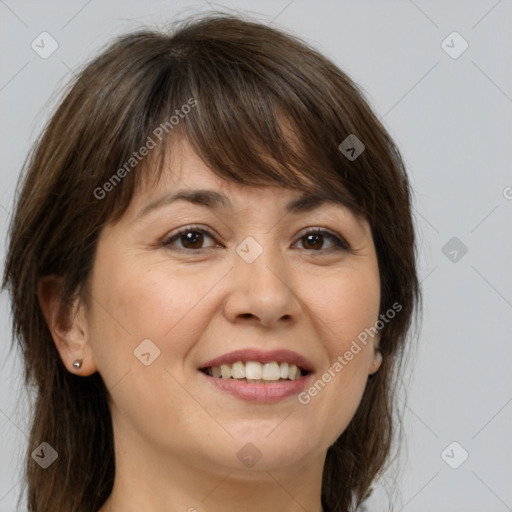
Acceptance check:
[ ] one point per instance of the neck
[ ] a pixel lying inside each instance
(147, 479)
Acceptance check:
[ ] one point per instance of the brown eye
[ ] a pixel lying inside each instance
(314, 240)
(190, 238)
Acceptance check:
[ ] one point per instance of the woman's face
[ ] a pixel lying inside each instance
(255, 279)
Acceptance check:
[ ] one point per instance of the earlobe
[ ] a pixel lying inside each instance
(66, 327)
(376, 363)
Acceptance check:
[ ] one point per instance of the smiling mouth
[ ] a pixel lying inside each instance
(254, 372)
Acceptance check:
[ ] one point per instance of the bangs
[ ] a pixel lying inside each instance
(254, 140)
(251, 120)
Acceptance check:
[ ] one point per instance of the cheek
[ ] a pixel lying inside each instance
(354, 317)
(346, 305)
(135, 302)
(148, 305)
(348, 309)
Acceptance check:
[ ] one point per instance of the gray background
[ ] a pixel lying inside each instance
(452, 120)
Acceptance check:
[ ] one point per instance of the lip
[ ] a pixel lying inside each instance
(259, 393)
(262, 356)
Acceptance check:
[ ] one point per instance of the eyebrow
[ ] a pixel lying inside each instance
(215, 200)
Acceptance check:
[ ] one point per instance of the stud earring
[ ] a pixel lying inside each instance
(77, 364)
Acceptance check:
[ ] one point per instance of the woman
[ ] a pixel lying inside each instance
(212, 270)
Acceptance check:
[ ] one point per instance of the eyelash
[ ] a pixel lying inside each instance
(339, 243)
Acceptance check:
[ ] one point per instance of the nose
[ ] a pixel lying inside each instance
(262, 292)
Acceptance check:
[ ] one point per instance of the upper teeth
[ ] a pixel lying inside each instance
(253, 370)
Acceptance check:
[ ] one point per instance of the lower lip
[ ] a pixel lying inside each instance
(261, 393)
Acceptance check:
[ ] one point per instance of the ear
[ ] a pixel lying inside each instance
(67, 325)
(377, 357)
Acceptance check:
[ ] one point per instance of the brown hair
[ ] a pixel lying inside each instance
(265, 108)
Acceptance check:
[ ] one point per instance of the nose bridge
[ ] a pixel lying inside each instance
(261, 262)
(262, 286)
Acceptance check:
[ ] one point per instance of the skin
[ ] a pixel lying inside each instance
(176, 437)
